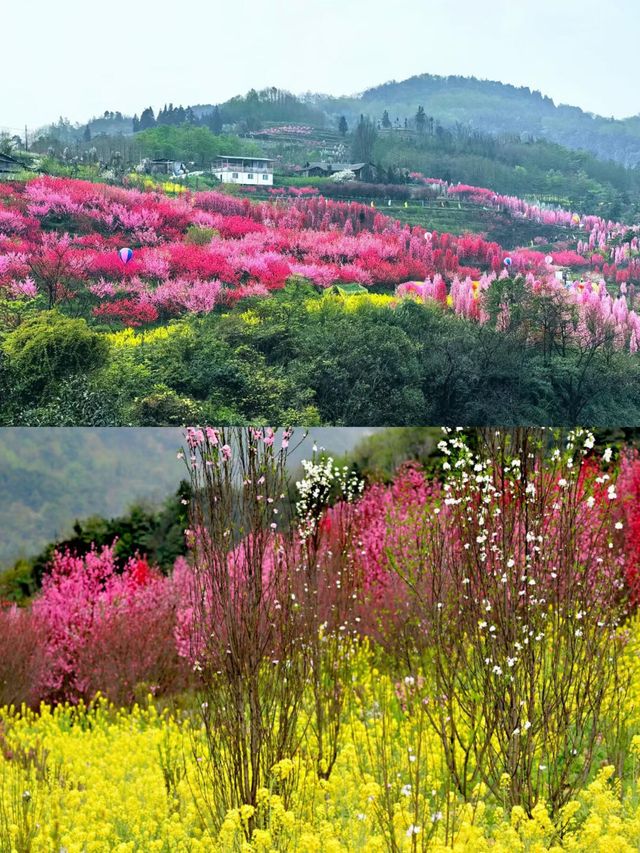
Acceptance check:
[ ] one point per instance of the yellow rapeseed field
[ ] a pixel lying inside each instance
(82, 780)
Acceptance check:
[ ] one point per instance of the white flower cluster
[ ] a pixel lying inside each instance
(323, 483)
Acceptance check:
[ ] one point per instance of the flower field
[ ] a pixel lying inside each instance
(59, 241)
(446, 661)
(123, 780)
(182, 273)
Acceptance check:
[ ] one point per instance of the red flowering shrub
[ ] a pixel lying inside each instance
(629, 486)
(130, 312)
(569, 259)
(22, 657)
(106, 630)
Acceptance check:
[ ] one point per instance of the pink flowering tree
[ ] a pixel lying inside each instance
(106, 629)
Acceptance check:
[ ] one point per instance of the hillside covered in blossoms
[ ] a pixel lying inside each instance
(240, 309)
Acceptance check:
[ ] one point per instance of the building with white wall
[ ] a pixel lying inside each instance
(254, 171)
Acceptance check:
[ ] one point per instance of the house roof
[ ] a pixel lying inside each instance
(247, 157)
(335, 167)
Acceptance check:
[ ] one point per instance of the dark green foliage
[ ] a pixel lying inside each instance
(269, 105)
(49, 347)
(190, 143)
(364, 140)
(214, 121)
(494, 107)
(302, 358)
(164, 407)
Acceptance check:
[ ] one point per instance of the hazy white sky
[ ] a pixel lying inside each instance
(77, 58)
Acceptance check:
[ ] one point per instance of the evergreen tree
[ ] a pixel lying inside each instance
(364, 139)
(421, 120)
(386, 121)
(343, 127)
(147, 119)
(214, 121)
(87, 134)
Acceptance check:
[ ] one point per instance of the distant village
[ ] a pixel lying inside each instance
(259, 171)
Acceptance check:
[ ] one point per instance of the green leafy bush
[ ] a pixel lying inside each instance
(51, 347)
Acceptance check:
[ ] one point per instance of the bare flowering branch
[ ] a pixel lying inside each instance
(246, 632)
(330, 589)
(519, 586)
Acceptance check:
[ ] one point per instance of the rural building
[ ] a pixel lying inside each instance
(323, 169)
(164, 167)
(9, 165)
(255, 171)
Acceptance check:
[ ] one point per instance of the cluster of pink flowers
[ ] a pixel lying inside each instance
(545, 215)
(61, 237)
(598, 316)
(612, 246)
(293, 191)
(93, 615)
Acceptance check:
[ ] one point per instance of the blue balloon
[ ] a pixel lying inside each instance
(507, 262)
(125, 255)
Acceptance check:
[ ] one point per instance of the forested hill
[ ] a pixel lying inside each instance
(496, 108)
(50, 477)
(489, 107)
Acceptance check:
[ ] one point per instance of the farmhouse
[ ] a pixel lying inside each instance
(164, 167)
(256, 171)
(9, 165)
(323, 169)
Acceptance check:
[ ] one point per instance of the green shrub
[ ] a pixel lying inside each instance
(164, 407)
(199, 235)
(51, 347)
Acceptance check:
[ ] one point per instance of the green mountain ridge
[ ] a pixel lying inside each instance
(498, 108)
(487, 106)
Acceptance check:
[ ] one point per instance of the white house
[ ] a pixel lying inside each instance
(256, 171)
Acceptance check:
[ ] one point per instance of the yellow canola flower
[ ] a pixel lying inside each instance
(352, 303)
(128, 338)
(127, 779)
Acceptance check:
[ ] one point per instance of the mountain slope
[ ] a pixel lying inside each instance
(497, 108)
(51, 477)
(483, 105)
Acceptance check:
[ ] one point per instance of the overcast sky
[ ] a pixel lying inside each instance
(77, 58)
